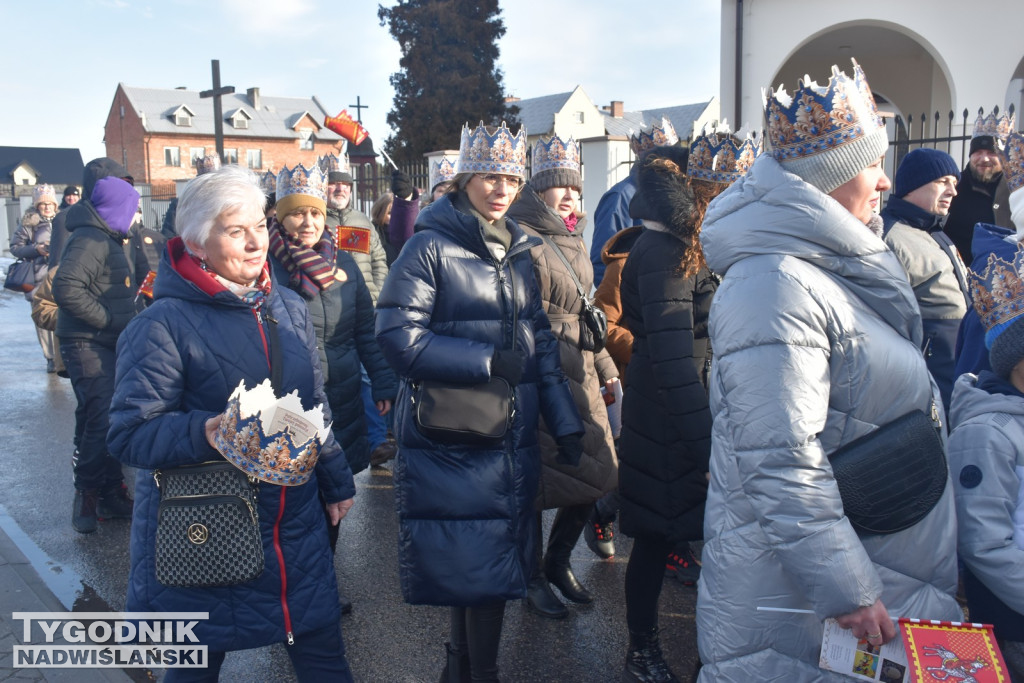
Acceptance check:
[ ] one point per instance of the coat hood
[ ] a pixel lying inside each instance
(984, 394)
(772, 212)
(101, 168)
(618, 247)
(664, 194)
(530, 209)
(441, 216)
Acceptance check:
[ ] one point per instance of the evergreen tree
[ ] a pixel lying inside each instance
(449, 72)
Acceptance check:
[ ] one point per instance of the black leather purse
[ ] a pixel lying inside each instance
(594, 327)
(892, 477)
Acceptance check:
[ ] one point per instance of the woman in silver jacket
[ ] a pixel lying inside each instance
(817, 341)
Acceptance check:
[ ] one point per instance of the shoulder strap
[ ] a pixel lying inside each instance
(959, 268)
(568, 267)
(276, 360)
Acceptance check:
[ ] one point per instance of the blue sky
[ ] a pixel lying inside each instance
(64, 58)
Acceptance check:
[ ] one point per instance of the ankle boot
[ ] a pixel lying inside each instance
(456, 667)
(83, 510)
(541, 600)
(565, 532)
(115, 503)
(644, 663)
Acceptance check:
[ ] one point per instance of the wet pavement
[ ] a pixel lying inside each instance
(385, 639)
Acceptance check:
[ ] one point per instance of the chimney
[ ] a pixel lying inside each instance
(254, 97)
(616, 109)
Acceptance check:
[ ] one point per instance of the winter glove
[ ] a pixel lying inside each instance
(401, 186)
(508, 365)
(570, 449)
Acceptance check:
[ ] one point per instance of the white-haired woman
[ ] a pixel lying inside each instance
(215, 308)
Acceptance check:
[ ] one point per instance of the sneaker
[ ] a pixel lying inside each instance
(600, 537)
(683, 566)
(384, 452)
(83, 511)
(115, 503)
(50, 366)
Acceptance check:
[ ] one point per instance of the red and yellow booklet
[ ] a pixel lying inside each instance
(952, 651)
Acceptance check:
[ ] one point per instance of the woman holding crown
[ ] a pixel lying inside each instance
(461, 306)
(817, 339)
(218, 319)
(548, 208)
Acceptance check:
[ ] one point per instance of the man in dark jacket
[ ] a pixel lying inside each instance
(95, 289)
(924, 189)
(982, 195)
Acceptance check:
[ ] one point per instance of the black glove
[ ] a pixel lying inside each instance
(508, 365)
(401, 186)
(570, 450)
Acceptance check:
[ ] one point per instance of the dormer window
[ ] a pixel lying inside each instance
(182, 116)
(239, 119)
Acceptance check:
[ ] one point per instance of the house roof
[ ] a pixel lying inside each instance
(274, 119)
(681, 116)
(55, 165)
(538, 113)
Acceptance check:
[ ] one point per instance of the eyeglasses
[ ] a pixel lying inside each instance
(510, 181)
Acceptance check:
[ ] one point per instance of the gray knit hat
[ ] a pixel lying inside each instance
(826, 135)
(556, 177)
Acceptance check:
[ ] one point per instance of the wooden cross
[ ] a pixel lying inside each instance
(218, 116)
(359, 109)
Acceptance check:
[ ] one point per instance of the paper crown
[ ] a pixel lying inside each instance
(555, 153)
(443, 171)
(272, 439)
(1013, 169)
(347, 127)
(44, 194)
(717, 157)
(207, 164)
(500, 152)
(330, 163)
(300, 180)
(998, 293)
(662, 134)
(820, 118)
(998, 127)
(268, 182)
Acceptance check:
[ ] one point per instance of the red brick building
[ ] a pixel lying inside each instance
(157, 134)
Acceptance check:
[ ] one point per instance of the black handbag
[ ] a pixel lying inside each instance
(471, 414)
(21, 276)
(208, 529)
(892, 477)
(594, 327)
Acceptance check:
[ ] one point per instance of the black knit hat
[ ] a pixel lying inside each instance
(1007, 349)
(983, 142)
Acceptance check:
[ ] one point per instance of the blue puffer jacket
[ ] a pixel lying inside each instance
(466, 514)
(177, 364)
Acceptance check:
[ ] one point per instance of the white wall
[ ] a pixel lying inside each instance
(606, 161)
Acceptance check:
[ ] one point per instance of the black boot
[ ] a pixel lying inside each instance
(644, 663)
(115, 503)
(541, 600)
(565, 532)
(456, 668)
(83, 510)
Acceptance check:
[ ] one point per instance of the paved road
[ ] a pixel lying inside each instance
(386, 639)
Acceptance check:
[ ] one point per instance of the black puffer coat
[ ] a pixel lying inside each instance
(666, 424)
(342, 316)
(96, 285)
(564, 485)
(466, 533)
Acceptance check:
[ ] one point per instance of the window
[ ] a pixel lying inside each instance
(172, 156)
(579, 117)
(305, 139)
(239, 120)
(196, 153)
(254, 158)
(181, 118)
(230, 156)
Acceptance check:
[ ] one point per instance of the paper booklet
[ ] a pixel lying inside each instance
(857, 658)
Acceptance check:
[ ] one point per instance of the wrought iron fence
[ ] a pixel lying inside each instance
(913, 132)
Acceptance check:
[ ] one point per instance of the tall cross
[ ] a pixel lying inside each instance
(359, 109)
(218, 116)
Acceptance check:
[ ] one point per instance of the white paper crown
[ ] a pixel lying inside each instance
(330, 163)
(301, 180)
(268, 182)
(1013, 169)
(717, 157)
(820, 118)
(207, 164)
(270, 438)
(661, 134)
(998, 127)
(555, 153)
(443, 171)
(500, 152)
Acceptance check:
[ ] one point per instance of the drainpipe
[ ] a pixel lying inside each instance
(739, 67)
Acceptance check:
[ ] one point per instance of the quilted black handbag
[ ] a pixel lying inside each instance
(208, 529)
(472, 414)
(21, 276)
(889, 479)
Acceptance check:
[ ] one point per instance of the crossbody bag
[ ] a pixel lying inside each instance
(594, 327)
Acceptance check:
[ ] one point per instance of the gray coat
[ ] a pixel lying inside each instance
(373, 264)
(817, 341)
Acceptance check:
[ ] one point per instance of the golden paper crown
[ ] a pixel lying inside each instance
(997, 293)
(660, 134)
(1013, 169)
(442, 171)
(997, 127)
(500, 152)
(718, 158)
(207, 164)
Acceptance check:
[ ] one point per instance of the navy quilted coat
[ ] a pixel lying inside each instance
(342, 318)
(177, 364)
(466, 533)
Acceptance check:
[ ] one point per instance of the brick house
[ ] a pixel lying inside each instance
(157, 134)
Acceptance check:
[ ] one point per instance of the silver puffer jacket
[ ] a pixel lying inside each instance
(817, 342)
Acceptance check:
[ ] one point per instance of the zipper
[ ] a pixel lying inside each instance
(280, 563)
(263, 334)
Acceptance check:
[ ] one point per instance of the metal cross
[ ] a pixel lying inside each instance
(218, 116)
(359, 109)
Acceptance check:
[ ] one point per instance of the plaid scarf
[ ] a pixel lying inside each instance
(310, 270)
